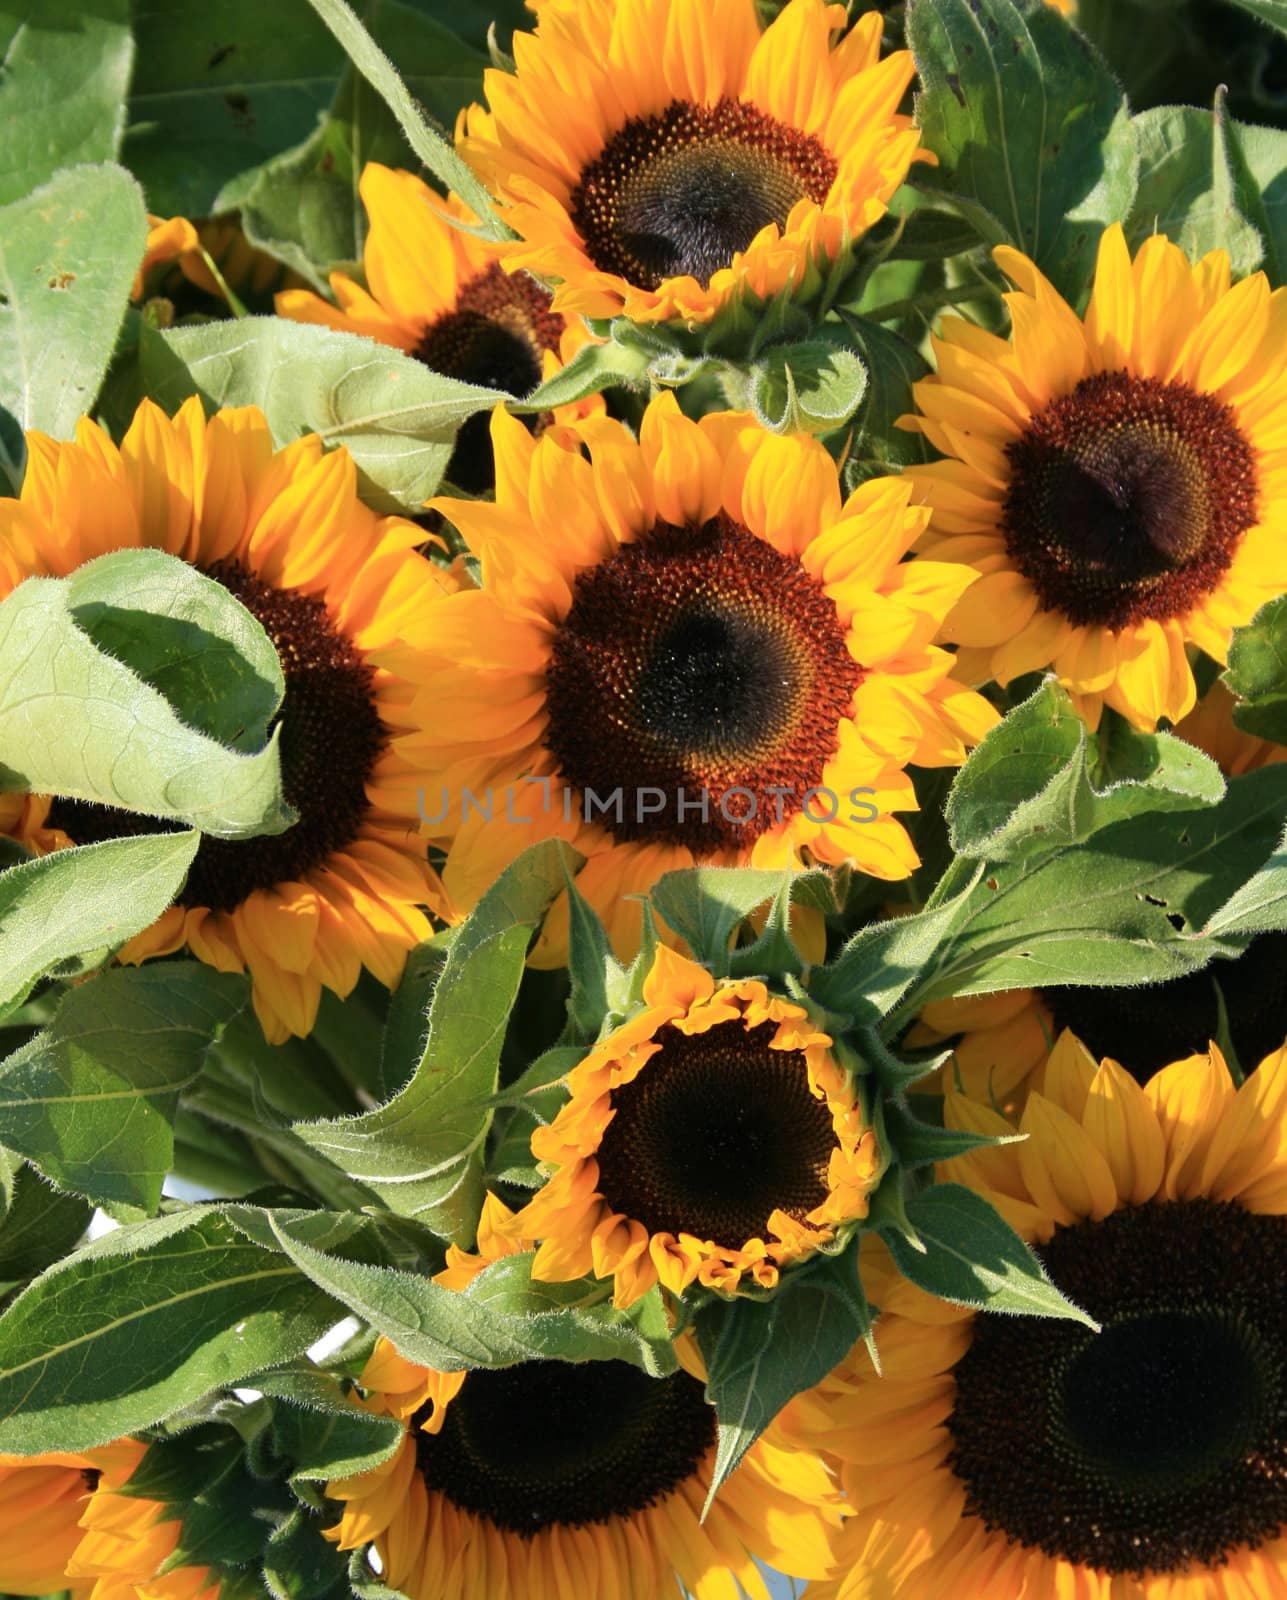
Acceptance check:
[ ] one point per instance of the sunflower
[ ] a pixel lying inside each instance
(338, 590)
(181, 248)
(127, 1541)
(441, 295)
(656, 157)
(1002, 1041)
(1120, 482)
(686, 649)
(1008, 1456)
(551, 1480)
(1211, 727)
(711, 1138)
(42, 1499)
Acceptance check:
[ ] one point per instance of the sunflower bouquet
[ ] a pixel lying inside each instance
(643, 800)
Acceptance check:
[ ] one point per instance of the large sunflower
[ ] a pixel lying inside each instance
(711, 1138)
(1000, 1042)
(556, 1481)
(128, 1541)
(1009, 1456)
(1120, 482)
(657, 156)
(340, 591)
(686, 648)
(441, 295)
(42, 1499)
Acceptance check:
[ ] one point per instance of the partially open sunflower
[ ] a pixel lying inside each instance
(339, 591)
(552, 1480)
(1120, 481)
(1007, 1456)
(712, 1139)
(657, 156)
(686, 648)
(440, 294)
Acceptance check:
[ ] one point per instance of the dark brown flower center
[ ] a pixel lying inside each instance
(1160, 1444)
(494, 337)
(1127, 499)
(716, 1133)
(552, 1444)
(696, 687)
(680, 193)
(1146, 1029)
(331, 739)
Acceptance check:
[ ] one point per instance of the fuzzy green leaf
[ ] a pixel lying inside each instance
(422, 1151)
(397, 418)
(704, 905)
(91, 1100)
(74, 904)
(39, 1225)
(143, 1322)
(1258, 673)
(1032, 133)
(973, 1257)
(1037, 780)
(813, 387)
(62, 93)
(74, 720)
(68, 254)
(761, 1353)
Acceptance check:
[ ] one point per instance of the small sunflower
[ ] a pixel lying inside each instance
(1009, 1456)
(441, 295)
(127, 1541)
(339, 591)
(686, 648)
(1119, 482)
(1002, 1041)
(175, 267)
(552, 1480)
(657, 156)
(711, 1139)
(42, 1499)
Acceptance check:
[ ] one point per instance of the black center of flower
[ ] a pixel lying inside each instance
(549, 1443)
(680, 193)
(716, 1133)
(494, 337)
(331, 739)
(696, 687)
(1127, 499)
(1160, 1444)
(1146, 1029)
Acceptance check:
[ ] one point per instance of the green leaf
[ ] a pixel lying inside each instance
(1274, 12)
(1037, 780)
(705, 905)
(68, 254)
(74, 904)
(972, 1257)
(813, 387)
(1032, 134)
(1258, 673)
(1133, 904)
(597, 977)
(76, 721)
(893, 366)
(62, 95)
(427, 142)
(396, 417)
(220, 90)
(91, 1100)
(183, 634)
(304, 206)
(422, 1151)
(141, 1323)
(299, 1564)
(500, 1319)
(592, 369)
(39, 1226)
(921, 1144)
(761, 1353)
(318, 1430)
(1193, 186)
